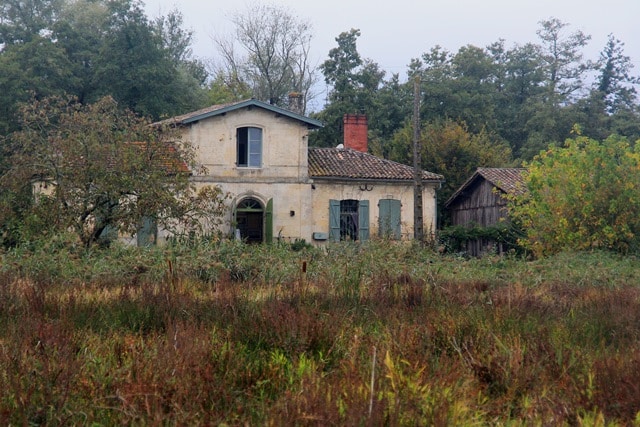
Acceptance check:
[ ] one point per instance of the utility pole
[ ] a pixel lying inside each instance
(418, 220)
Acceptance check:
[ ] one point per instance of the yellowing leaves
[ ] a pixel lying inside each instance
(581, 196)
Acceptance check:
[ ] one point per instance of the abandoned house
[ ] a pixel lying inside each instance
(281, 188)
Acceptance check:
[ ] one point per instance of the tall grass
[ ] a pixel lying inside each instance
(227, 333)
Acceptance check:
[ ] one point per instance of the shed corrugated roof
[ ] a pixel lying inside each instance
(346, 163)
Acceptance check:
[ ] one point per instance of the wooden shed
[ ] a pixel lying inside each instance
(480, 202)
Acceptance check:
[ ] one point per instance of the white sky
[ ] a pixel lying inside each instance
(393, 32)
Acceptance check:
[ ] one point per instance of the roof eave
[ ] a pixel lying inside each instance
(462, 188)
(393, 180)
(311, 123)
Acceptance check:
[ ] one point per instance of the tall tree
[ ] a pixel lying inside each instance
(22, 20)
(38, 68)
(519, 91)
(474, 77)
(564, 66)
(615, 84)
(612, 106)
(354, 83)
(177, 41)
(94, 48)
(275, 59)
(134, 67)
(341, 69)
(391, 107)
(552, 114)
(435, 72)
(81, 31)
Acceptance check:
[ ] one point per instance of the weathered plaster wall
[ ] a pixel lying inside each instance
(326, 190)
(287, 198)
(284, 146)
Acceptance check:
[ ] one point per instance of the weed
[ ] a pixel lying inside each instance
(221, 332)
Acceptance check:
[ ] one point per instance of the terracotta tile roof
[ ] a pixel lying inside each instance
(508, 180)
(346, 163)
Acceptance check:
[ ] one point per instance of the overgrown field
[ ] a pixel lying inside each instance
(378, 334)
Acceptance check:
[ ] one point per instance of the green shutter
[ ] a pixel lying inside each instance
(363, 220)
(389, 218)
(268, 222)
(334, 220)
(147, 233)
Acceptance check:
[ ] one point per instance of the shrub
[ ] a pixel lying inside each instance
(581, 196)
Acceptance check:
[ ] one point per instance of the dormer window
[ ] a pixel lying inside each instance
(249, 147)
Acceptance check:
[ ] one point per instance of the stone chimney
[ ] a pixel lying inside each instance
(355, 132)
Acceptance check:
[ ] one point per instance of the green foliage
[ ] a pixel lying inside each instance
(141, 67)
(91, 49)
(129, 335)
(355, 83)
(455, 238)
(23, 20)
(95, 168)
(225, 88)
(581, 196)
(24, 74)
(450, 149)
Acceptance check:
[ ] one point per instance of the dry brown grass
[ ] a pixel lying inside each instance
(292, 347)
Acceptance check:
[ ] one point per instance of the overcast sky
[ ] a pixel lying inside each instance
(393, 32)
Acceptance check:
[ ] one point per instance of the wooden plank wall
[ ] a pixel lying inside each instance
(483, 206)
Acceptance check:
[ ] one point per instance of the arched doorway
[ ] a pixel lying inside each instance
(250, 220)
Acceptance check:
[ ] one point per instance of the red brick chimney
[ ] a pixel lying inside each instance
(355, 132)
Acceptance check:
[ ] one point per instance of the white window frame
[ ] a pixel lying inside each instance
(251, 156)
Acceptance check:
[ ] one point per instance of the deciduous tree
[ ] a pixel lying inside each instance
(269, 51)
(99, 168)
(95, 48)
(450, 149)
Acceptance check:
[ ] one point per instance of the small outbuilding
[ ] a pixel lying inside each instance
(481, 202)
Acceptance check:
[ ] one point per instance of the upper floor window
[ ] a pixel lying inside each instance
(249, 144)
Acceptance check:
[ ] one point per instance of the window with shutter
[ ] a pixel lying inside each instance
(389, 218)
(148, 232)
(363, 220)
(334, 220)
(348, 220)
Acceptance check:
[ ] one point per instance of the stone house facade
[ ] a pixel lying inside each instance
(282, 189)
